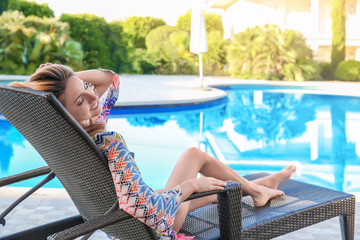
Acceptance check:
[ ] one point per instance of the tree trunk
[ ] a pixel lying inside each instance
(338, 33)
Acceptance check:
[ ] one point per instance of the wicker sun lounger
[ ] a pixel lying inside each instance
(82, 169)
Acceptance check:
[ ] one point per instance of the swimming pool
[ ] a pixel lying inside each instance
(254, 129)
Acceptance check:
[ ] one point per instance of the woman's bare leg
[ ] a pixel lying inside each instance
(194, 161)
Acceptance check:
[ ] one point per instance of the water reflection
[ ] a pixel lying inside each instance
(148, 121)
(277, 117)
(309, 128)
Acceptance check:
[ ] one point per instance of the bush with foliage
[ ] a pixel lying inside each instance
(213, 22)
(326, 71)
(214, 60)
(271, 53)
(118, 48)
(31, 8)
(93, 33)
(26, 42)
(348, 71)
(135, 31)
(4, 5)
(167, 51)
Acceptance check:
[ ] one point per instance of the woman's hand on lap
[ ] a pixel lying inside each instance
(204, 184)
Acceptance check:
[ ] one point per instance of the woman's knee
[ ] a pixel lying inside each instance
(195, 154)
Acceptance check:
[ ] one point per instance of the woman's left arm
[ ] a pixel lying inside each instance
(100, 78)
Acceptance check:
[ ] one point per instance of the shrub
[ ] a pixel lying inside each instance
(135, 31)
(271, 53)
(26, 42)
(348, 71)
(137, 28)
(167, 51)
(215, 59)
(3, 5)
(118, 48)
(213, 22)
(93, 33)
(326, 71)
(31, 8)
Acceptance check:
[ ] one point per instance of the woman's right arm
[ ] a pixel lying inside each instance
(202, 184)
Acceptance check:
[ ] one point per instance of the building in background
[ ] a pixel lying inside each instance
(311, 17)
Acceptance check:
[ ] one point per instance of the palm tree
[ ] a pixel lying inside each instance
(270, 53)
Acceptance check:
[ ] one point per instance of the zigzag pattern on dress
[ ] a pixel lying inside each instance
(135, 196)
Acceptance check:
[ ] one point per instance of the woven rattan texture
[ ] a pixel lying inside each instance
(67, 149)
(225, 217)
(303, 205)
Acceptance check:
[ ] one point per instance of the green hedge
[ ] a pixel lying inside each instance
(93, 33)
(31, 8)
(348, 71)
(213, 22)
(326, 71)
(135, 31)
(118, 48)
(137, 28)
(168, 51)
(26, 42)
(3, 5)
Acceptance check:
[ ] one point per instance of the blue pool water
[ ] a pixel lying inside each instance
(252, 130)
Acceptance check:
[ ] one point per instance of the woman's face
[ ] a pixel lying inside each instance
(81, 101)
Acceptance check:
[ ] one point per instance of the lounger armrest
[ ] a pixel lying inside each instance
(204, 194)
(230, 184)
(90, 226)
(229, 208)
(24, 176)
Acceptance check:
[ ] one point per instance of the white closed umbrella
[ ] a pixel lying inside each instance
(198, 43)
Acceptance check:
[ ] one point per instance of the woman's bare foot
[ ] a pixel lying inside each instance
(261, 195)
(273, 180)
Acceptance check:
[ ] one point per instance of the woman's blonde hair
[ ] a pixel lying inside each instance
(53, 78)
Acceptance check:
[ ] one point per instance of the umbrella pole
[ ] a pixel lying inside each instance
(201, 70)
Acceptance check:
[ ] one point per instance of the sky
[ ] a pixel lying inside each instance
(169, 10)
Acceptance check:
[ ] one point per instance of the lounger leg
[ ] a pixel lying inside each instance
(347, 223)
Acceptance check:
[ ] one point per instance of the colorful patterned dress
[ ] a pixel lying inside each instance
(134, 195)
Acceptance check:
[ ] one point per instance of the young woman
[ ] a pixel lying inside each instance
(89, 96)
